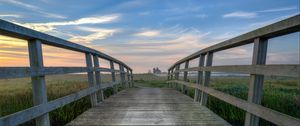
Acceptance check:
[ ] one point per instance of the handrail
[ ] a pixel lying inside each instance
(37, 72)
(257, 70)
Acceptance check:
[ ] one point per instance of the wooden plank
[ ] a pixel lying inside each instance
(209, 60)
(90, 75)
(288, 70)
(39, 88)
(255, 92)
(283, 27)
(99, 94)
(36, 111)
(20, 72)
(13, 30)
(149, 106)
(255, 109)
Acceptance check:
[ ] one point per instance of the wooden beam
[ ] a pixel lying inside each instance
(255, 92)
(185, 74)
(39, 88)
(113, 77)
(99, 95)
(288, 70)
(209, 60)
(255, 109)
(197, 96)
(90, 75)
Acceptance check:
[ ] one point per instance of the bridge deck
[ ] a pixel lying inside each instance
(148, 106)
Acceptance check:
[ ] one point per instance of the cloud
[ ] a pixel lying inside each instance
(240, 14)
(33, 8)
(280, 9)
(50, 26)
(264, 23)
(97, 34)
(10, 15)
(150, 33)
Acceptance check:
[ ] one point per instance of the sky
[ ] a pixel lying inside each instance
(147, 33)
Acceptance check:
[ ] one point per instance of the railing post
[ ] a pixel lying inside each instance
(122, 75)
(197, 96)
(168, 79)
(98, 78)
(172, 77)
(113, 77)
(185, 73)
(256, 81)
(90, 75)
(131, 78)
(207, 78)
(39, 88)
(128, 78)
(177, 74)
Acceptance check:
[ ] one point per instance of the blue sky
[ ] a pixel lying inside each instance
(155, 33)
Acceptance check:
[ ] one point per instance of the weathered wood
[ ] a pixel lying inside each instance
(39, 89)
(113, 77)
(36, 111)
(90, 75)
(255, 109)
(20, 72)
(149, 106)
(128, 78)
(185, 74)
(122, 76)
(99, 95)
(283, 27)
(209, 60)
(177, 76)
(288, 70)
(255, 92)
(197, 96)
(131, 77)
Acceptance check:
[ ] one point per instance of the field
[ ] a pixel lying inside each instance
(281, 94)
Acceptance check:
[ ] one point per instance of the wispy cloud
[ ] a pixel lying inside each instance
(240, 14)
(33, 8)
(11, 15)
(97, 34)
(149, 33)
(244, 14)
(280, 9)
(264, 23)
(45, 27)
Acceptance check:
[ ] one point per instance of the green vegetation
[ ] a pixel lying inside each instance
(281, 94)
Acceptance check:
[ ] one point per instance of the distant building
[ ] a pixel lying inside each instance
(156, 70)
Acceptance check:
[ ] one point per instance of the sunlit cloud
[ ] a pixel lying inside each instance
(45, 27)
(10, 15)
(150, 33)
(97, 34)
(240, 14)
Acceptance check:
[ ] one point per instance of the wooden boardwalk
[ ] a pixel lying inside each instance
(149, 106)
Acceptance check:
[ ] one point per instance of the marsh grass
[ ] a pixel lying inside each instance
(280, 93)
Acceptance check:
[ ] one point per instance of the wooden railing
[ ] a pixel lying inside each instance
(257, 71)
(37, 72)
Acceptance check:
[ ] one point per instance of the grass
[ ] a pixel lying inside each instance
(281, 94)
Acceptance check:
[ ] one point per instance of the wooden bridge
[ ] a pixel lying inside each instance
(151, 106)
